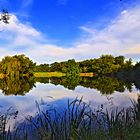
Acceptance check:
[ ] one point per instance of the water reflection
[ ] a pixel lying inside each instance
(105, 85)
(14, 86)
(54, 93)
(68, 82)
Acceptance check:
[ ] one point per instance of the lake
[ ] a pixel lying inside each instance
(27, 95)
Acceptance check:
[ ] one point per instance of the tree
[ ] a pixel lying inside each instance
(119, 60)
(72, 68)
(104, 65)
(42, 68)
(16, 66)
(128, 64)
(5, 16)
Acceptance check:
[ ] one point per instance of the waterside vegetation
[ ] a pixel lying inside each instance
(107, 74)
(77, 122)
(20, 65)
(49, 74)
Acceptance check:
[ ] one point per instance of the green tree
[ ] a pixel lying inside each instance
(16, 66)
(119, 60)
(104, 65)
(72, 68)
(42, 68)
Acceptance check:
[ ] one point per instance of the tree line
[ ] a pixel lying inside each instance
(123, 71)
(19, 65)
(106, 64)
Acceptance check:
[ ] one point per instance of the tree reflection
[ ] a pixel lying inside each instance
(43, 80)
(105, 85)
(70, 82)
(16, 86)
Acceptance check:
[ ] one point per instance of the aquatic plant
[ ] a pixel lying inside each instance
(77, 122)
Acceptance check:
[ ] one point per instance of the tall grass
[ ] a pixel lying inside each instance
(78, 122)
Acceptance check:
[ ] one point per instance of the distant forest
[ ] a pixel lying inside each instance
(106, 65)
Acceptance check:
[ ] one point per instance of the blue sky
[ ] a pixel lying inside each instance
(57, 30)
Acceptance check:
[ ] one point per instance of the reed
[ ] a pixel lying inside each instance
(77, 122)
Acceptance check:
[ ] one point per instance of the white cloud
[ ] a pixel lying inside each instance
(120, 37)
(88, 30)
(133, 50)
(124, 12)
(16, 27)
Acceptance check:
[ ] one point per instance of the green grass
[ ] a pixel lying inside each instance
(59, 74)
(52, 74)
(49, 74)
(89, 74)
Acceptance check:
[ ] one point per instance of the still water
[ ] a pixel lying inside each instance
(26, 95)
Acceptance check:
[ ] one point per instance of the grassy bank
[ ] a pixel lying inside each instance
(90, 74)
(59, 74)
(77, 122)
(41, 74)
(52, 74)
(49, 74)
